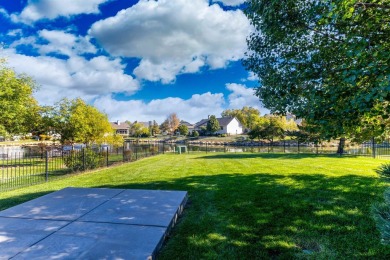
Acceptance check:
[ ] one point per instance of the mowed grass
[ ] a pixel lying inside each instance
(253, 206)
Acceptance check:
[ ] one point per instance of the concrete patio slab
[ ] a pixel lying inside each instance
(66, 204)
(17, 235)
(82, 240)
(140, 207)
(82, 223)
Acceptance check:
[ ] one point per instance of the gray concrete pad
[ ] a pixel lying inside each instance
(17, 235)
(140, 207)
(85, 240)
(82, 223)
(66, 204)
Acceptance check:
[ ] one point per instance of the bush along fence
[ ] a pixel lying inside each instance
(36, 165)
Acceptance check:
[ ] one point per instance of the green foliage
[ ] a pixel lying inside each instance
(213, 124)
(155, 130)
(195, 133)
(381, 214)
(183, 129)
(83, 160)
(79, 122)
(248, 116)
(384, 170)
(324, 61)
(269, 128)
(138, 130)
(19, 109)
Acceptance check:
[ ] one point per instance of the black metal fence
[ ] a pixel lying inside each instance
(37, 164)
(368, 149)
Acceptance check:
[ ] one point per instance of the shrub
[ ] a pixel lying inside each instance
(384, 171)
(83, 160)
(381, 213)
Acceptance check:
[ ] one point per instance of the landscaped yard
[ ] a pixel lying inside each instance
(247, 206)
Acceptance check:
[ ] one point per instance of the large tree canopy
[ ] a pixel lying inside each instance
(325, 61)
(17, 105)
(77, 121)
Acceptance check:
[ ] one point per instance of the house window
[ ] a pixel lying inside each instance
(221, 127)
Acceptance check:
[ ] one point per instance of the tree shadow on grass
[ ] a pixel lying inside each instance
(271, 156)
(268, 216)
(237, 216)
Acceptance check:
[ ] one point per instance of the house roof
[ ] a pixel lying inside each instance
(119, 125)
(223, 121)
(182, 122)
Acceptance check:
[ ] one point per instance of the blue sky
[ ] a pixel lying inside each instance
(134, 60)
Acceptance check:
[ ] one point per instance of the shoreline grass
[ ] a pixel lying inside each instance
(253, 206)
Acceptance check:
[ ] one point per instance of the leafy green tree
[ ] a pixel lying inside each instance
(183, 129)
(164, 127)
(269, 128)
(213, 124)
(19, 109)
(155, 130)
(195, 133)
(248, 116)
(324, 61)
(138, 129)
(79, 122)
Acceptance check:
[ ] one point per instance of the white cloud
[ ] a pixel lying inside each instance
(252, 76)
(242, 96)
(230, 2)
(74, 77)
(4, 13)
(172, 37)
(58, 42)
(65, 43)
(51, 9)
(192, 110)
(15, 33)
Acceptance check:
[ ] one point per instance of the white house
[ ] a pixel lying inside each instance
(228, 125)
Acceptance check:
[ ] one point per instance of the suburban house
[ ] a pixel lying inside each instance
(228, 125)
(121, 128)
(189, 126)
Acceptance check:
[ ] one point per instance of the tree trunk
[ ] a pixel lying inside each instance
(340, 149)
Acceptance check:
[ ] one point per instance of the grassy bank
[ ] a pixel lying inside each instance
(248, 206)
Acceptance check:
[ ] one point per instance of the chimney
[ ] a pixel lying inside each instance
(118, 122)
(208, 116)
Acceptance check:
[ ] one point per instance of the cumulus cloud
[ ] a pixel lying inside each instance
(242, 96)
(252, 76)
(230, 2)
(192, 110)
(51, 9)
(172, 37)
(57, 42)
(74, 77)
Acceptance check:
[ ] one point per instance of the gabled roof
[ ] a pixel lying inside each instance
(182, 122)
(223, 121)
(119, 125)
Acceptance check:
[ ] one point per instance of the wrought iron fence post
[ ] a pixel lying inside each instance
(123, 152)
(284, 146)
(83, 151)
(136, 152)
(47, 165)
(107, 156)
(373, 147)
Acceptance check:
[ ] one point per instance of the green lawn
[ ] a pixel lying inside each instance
(253, 206)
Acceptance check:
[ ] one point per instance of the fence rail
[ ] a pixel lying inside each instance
(32, 166)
